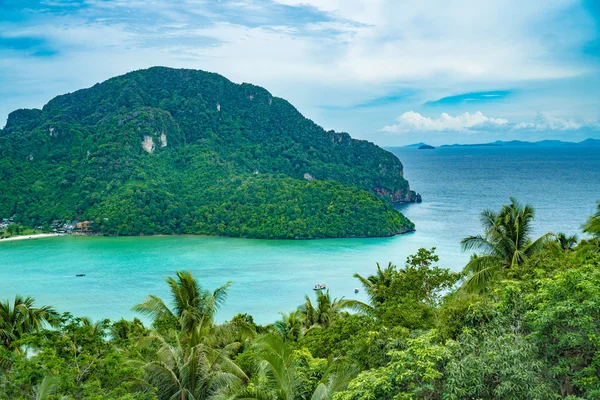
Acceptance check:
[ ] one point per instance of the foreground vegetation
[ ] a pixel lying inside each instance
(166, 151)
(521, 321)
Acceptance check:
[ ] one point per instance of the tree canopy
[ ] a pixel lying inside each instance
(532, 333)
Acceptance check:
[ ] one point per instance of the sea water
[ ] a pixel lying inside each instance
(272, 276)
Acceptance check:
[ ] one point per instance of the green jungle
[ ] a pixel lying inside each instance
(521, 321)
(175, 151)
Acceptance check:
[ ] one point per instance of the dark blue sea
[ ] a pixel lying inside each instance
(561, 183)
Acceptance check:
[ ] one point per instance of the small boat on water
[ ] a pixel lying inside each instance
(80, 275)
(319, 286)
(355, 290)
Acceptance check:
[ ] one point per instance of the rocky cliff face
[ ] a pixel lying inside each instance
(400, 196)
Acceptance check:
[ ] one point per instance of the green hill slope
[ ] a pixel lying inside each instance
(162, 151)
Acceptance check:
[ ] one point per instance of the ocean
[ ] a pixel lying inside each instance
(563, 184)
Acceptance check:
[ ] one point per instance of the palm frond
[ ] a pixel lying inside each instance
(45, 388)
(537, 245)
(153, 307)
(478, 242)
(481, 271)
(592, 225)
(339, 376)
(251, 394)
(368, 287)
(277, 366)
(220, 295)
(356, 306)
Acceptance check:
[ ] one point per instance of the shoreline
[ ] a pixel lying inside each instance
(47, 235)
(294, 239)
(28, 237)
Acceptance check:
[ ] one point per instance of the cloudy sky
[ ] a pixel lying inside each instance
(390, 71)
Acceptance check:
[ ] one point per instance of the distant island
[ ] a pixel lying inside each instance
(517, 143)
(426, 147)
(416, 145)
(178, 151)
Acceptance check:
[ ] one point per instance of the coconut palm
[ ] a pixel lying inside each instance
(289, 327)
(505, 244)
(191, 303)
(23, 317)
(592, 226)
(192, 366)
(326, 310)
(277, 367)
(279, 378)
(335, 380)
(125, 330)
(591, 246)
(565, 242)
(44, 390)
(376, 286)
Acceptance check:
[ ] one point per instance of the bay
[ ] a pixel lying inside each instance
(274, 276)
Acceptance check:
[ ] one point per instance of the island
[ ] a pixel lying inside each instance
(426, 147)
(522, 143)
(179, 151)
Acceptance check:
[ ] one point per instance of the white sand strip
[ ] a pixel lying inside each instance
(26, 237)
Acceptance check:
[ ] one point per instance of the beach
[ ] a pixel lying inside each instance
(34, 236)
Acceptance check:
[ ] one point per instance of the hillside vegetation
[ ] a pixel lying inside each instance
(163, 151)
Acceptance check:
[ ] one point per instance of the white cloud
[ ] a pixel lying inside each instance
(339, 52)
(413, 121)
(463, 40)
(375, 41)
(546, 121)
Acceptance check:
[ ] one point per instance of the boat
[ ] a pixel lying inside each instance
(319, 286)
(355, 290)
(80, 275)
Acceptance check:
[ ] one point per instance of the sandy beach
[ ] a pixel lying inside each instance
(26, 237)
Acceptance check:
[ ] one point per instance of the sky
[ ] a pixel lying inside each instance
(390, 71)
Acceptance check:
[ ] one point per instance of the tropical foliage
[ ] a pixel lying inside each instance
(21, 317)
(532, 333)
(592, 226)
(505, 244)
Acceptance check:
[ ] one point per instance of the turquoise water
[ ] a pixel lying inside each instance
(273, 276)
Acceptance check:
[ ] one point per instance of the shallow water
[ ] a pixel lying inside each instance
(272, 276)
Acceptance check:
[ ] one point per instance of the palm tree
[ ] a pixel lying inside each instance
(592, 226)
(277, 367)
(192, 303)
(289, 327)
(591, 246)
(505, 244)
(335, 380)
(377, 285)
(192, 367)
(279, 377)
(125, 330)
(22, 317)
(44, 390)
(326, 310)
(565, 242)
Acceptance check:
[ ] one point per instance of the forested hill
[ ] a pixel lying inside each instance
(183, 151)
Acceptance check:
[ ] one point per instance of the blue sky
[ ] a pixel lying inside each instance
(390, 71)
